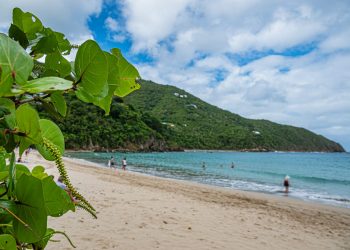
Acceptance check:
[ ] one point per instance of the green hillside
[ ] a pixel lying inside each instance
(161, 117)
(87, 127)
(194, 124)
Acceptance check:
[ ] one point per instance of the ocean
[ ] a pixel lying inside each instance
(318, 177)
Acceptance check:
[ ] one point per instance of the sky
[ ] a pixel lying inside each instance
(284, 61)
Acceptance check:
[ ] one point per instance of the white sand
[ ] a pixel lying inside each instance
(144, 212)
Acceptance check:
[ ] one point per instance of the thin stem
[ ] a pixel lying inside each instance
(63, 233)
(16, 217)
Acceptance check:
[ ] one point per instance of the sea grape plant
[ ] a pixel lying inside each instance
(34, 72)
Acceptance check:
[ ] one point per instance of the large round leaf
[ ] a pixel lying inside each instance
(57, 64)
(18, 35)
(127, 75)
(15, 64)
(27, 22)
(91, 69)
(57, 201)
(59, 103)
(51, 132)
(44, 84)
(30, 209)
(113, 82)
(27, 120)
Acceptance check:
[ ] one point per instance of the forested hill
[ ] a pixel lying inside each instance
(161, 117)
(194, 124)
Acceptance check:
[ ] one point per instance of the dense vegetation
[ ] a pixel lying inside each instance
(87, 127)
(198, 125)
(162, 117)
(29, 196)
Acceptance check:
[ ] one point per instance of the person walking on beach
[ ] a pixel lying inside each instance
(286, 184)
(124, 164)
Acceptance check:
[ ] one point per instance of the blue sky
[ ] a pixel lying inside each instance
(285, 61)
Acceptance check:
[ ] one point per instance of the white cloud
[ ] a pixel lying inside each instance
(118, 38)
(152, 20)
(190, 45)
(68, 17)
(199, 45)
(283, 32)
(112, 24)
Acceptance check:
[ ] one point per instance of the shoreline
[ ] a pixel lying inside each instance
(293, 194)
(201, 150)
(138, 211)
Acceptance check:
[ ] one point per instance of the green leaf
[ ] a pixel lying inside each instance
(57, 201)
(113, 82)
(30, 209)
(56, 63)
(128, 75)
(59, 102)
(18, 35)
(38, 170)
(4, 175)
(43, 242)
(21, 169)
(28, 124)
(51, 110)
(12, 174)
(63, 43)
(2, 162)
(51, 132)
(7, 242)
(9, 118)
(10, 143)
(50, 42)
(91, 71)
(10, 205)
(24, 144)
(15, 64)
(46, 84)
(27, 22)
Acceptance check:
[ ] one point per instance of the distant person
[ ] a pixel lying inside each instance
(232, 165)
(286, 184)
(203, 165)
(112, 162)
(124, 164)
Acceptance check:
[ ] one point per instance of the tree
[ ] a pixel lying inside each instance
(27, 197)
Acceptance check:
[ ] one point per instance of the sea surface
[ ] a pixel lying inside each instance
(319, 177)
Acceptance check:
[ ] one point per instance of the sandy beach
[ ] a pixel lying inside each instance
(144, 212)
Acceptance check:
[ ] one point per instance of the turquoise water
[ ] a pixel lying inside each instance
(321, 177)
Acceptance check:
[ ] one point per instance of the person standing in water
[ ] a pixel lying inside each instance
(124, 164)
(112, 162)
(286, 184)
(232, 165)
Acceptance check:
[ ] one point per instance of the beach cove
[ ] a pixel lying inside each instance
(136, 211)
